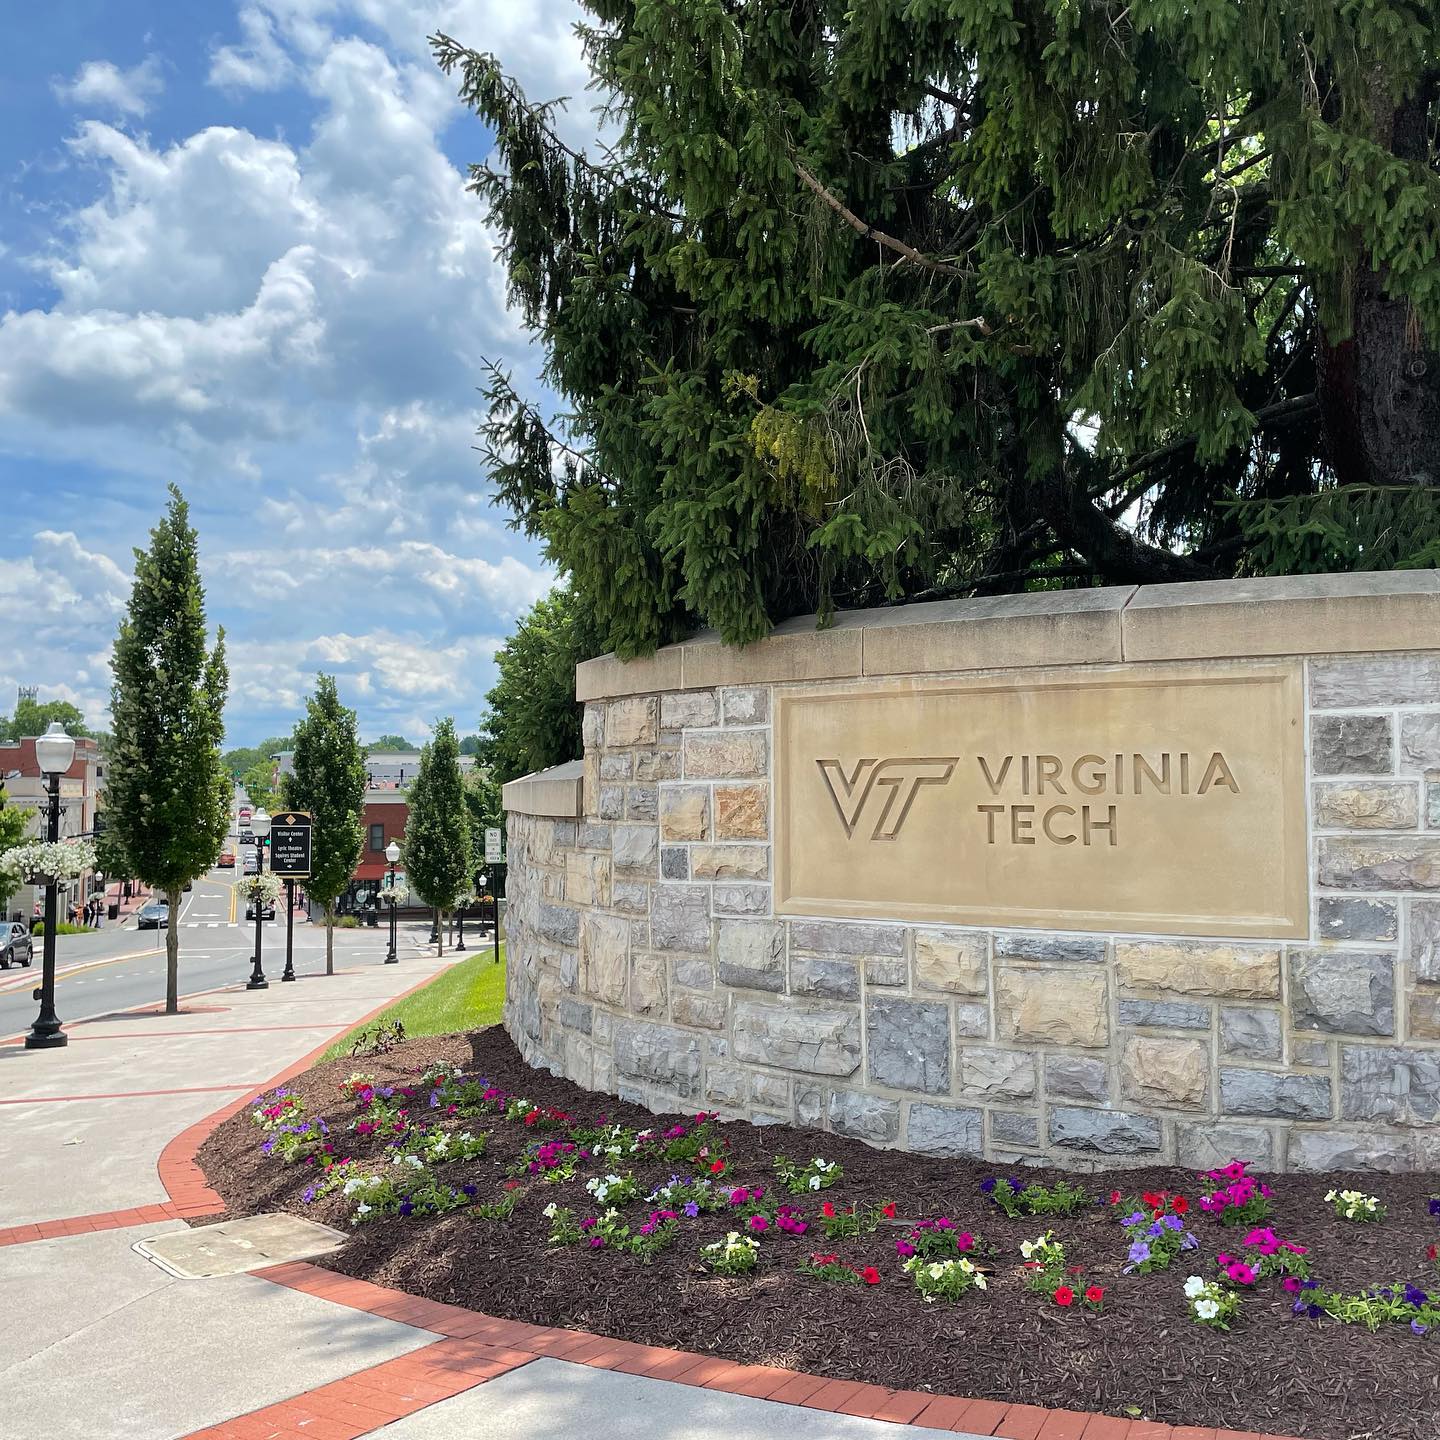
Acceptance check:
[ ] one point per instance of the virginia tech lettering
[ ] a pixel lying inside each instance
(1012, 822)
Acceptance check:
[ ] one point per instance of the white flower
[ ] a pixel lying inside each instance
(980, 1281)
(1194, 1287)
(815, 1182)
(362, 1208)
(1206, 1309)
(549, 1211)
(1332, 1194)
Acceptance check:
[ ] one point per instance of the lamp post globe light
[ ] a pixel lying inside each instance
(54, 754)
(260, 829)
(392, 854)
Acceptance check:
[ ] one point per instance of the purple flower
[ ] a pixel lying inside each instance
(406, 1207)
(1298, 1308)
(1155, 1231)
(987, 1185)
(904, 1249)
(1418, 1328)
(1435, 1205)
(1173, 1222)
(691, 1209)
(1414, 1295)
(1139, 1253)
(1015, 1185)
(1136, 1219)
(468, 1189)
(1314, 1311)
(307, 1195)
(1189, 1242)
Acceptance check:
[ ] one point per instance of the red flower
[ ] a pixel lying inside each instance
(1076, 1270)
(1179, 1204)
(823, 1259)
(1152, 1199)
(1095, 1294)
(870, 1275)
(1064, 1296)
(888, 1211)
(511, 1184)
(828, 1210)
(1433, 1253)
(717, 1167)
(1115, 1197)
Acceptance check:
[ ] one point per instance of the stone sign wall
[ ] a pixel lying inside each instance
(773, 886)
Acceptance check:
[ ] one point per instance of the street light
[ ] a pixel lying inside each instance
(54, 753)
(259, 828)
(392, 854)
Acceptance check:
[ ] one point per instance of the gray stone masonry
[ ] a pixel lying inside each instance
(646, 959)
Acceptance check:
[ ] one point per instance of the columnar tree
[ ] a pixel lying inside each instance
(437, 830)
(168, 793)
(872, 302)
(329, 782)
(14, 826)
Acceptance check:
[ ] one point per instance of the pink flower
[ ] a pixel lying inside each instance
(758, 1223)
(1241, 1274)
(1263, 1240)
(904, 1249)
(964, 1241)
(1290, 1283)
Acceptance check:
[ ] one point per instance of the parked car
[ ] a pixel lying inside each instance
(267, 913)
(227, 859)
(16, 946)
(153, 915)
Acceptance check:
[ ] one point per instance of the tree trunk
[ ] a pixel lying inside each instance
(440, 931)
(1380, 387)
(329, 937)
(172, 952)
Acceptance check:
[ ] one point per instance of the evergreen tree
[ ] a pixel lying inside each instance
(329, 782)
(437, 830)
(926, 297)
(533, 721)
(168, 793)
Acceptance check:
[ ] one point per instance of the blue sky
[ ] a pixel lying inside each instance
(236, 252)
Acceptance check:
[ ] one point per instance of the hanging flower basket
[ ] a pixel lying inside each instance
(397, 894)
(261, 887)
(38, 862)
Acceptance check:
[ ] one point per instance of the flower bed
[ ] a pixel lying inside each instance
(1225, 1301)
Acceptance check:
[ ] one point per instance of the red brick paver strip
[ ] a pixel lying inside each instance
(1022, 1422)
(1065, 1425)
(1107, 1427)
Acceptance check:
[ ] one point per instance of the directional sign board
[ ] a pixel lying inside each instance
(492, 846)
(290, 845)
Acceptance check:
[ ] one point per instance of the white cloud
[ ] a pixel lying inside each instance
(102, 85)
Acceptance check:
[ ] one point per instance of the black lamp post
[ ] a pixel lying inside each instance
(260, 829)
(460, 923)
(54, 753)
(392, 854)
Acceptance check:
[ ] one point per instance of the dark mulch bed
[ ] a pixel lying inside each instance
(1142, 1355)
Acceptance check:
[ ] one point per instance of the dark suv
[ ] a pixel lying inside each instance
(16, 946)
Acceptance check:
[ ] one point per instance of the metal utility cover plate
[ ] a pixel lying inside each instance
(234, 1246)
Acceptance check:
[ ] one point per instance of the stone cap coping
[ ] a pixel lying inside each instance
(1213, 619)
(555, 792)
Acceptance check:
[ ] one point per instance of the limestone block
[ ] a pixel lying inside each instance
(1007, 1127)
(633, 721)
(1348, 992)
(772, 1091)
(1250, 1034)
(1420, 741)
(1032, 945)
(631, 896)
(689, 709)
(1165, 1014)
(746, 706)
(592, 727)
(1425, 1015)
(840, 937)
(742, 899)
(1374, 680)
(560, 924)
(693, 1007)
(1209, 1144)
(1348, 1150)
(587, 879)
(641, 803)
(1396, 863)
(1360, 806)
(730, 862)
(1271, 1092)
(952, 1132)
(954, 960)
(887, 971)
(818, 1039)
(605, 956)
(810, 1105)
(684, 812)
(659, 1054)
(655, 765)
(986, 1074)
(692, 973)
(1103, 1132)
(1199, 967)
(592, 836)
(1076, 1077)
(750, 954)
(611, 805)
(908, 1044)
(1342, 918)
(726, 754)
(647, 984)
(1052, 1007)
(823, 979)
(742, 812)
(1432, 804)
(575, 1016)
(972, 1022)
(1422, 931)
(1313, 1054)
(1352, 745)
(1172, 1074)
(680, 918)
(864, 1117)
(1390, 1083)
(615, 766)
(725, 1085)
(674, 862)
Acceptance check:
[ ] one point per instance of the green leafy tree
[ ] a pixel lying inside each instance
(436, 847)
(246, 757)
(926, 297)
(14, 826)
(394, 742)
(534, 721)
(483, 811)
(168, 793)
(34, 717)
(329, 782)
(258, 783)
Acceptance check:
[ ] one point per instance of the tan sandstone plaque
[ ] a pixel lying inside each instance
(1168, 799)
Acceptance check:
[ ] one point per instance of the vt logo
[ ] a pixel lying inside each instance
(898, 782)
